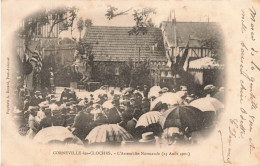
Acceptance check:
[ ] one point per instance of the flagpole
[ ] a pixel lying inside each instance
(175, 43)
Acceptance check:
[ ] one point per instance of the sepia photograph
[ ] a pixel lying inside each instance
(119, 85)
(127, 76)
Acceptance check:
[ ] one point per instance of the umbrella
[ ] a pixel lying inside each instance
(56, 134)
(108, 133)
(181, 93)
(168, 98)
(148, 118)
(154, 91)
(182, 117)
(207, 104)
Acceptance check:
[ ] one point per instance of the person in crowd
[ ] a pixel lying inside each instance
(145, 91)
(20, 101)
(32, 123)
(41, 114)
(84, 102)
(81, 124)
(72, 95)
(148, 139)
(111, 95)
(64, 94)
(130, 126)
(26, 102)
(210, 90)
(47, 120)
(36, 99)
(145, 105)
(126, 116)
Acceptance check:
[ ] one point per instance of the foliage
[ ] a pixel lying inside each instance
(112, 12)
(141, 19)
(215, 45)
(88, 23)
(140, 74)
(64, 15)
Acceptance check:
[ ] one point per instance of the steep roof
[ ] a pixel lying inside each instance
(115, 44)
(199, 31)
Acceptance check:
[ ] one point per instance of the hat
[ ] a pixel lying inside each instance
(53, 99)
(209, 87)
(183, 88)
(43, 105)
(165, 89)
(147, 137)
(132, 98)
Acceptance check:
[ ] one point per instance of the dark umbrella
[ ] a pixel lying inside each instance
(182, 117)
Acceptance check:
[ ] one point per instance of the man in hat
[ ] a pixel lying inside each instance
(81, 125)
(64, 94)
(32, 123)
(72, 95)
(36, 99)
(145, 91)
(148, 139)
(145, 105)
(26, 102)
(84, 101)
(46, 121)
(111, 95)
(41, 114)
(130, 126)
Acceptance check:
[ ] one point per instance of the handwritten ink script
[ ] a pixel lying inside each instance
(249, 69)
(241, 128)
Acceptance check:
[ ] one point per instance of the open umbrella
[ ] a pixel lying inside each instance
(207, 104)
(154, 91)
(148, 118)
(210, 108)
(108, 133)
(168, 98)
(182, 117)
(181, 93)
(56, 134)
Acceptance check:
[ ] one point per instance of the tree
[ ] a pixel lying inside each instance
(112, 12)
(143, 21)
(80, 26)
(64, 16)
(88, 23)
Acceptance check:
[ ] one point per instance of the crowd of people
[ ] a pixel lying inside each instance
(139, 114)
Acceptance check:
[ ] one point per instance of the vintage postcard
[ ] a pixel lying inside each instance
(122, 82)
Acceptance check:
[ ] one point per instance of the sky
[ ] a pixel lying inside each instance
(184, 12)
